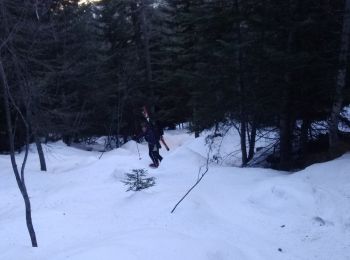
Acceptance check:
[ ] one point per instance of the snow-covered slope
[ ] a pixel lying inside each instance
(82, 212)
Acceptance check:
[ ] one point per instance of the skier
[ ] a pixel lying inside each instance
(153, 144)
(157, 128)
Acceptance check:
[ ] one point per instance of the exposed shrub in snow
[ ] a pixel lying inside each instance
(137, 180)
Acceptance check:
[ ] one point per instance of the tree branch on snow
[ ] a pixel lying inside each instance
(201, 175)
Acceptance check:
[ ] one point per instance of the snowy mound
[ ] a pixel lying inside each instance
(82, 212)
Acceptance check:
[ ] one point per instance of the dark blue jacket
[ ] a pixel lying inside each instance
(149, 136)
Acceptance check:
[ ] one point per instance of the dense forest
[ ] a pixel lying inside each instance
(72, 71)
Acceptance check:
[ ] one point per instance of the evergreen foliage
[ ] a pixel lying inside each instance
(138, 180)
(87, 69)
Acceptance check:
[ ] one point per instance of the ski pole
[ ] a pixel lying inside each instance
(101, 155)
(163, 141)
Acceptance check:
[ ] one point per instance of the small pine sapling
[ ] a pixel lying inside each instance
(138, 180)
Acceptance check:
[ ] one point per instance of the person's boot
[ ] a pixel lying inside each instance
(153, 165)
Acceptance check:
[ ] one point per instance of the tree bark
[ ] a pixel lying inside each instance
(340, 83)
(142, 38)
(39, 147)
(241, 90)
(304, 137)
(19, 177)
(252, 141)
(286, 124)
(195, 120)
(243, 137)
(30, 124)
(285, 142)
(147, 54)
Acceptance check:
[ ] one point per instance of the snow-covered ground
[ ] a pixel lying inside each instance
(82, 212)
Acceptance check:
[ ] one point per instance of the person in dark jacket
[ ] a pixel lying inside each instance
(153, 144)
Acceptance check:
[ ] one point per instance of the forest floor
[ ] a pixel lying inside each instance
(81, 210)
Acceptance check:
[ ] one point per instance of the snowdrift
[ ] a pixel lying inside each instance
(82, 212)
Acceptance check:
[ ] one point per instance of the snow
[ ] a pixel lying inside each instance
(82, 212)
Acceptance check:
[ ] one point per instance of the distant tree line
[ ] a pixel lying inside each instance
(79, 70)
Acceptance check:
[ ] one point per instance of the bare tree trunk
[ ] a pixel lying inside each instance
(37, 141)
(136, 27)
(19, 177)
(30, 123)
(252, 141)
(39, 147)
(340, 83)
(142, 38)
(285, 141)
(243, 137)
(241, 89)
(146, 38)
(286, 128)
(121, 98)
(195, 119)
(285, 123)
(304, 137)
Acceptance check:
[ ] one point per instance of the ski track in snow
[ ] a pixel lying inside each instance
(82, 212)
